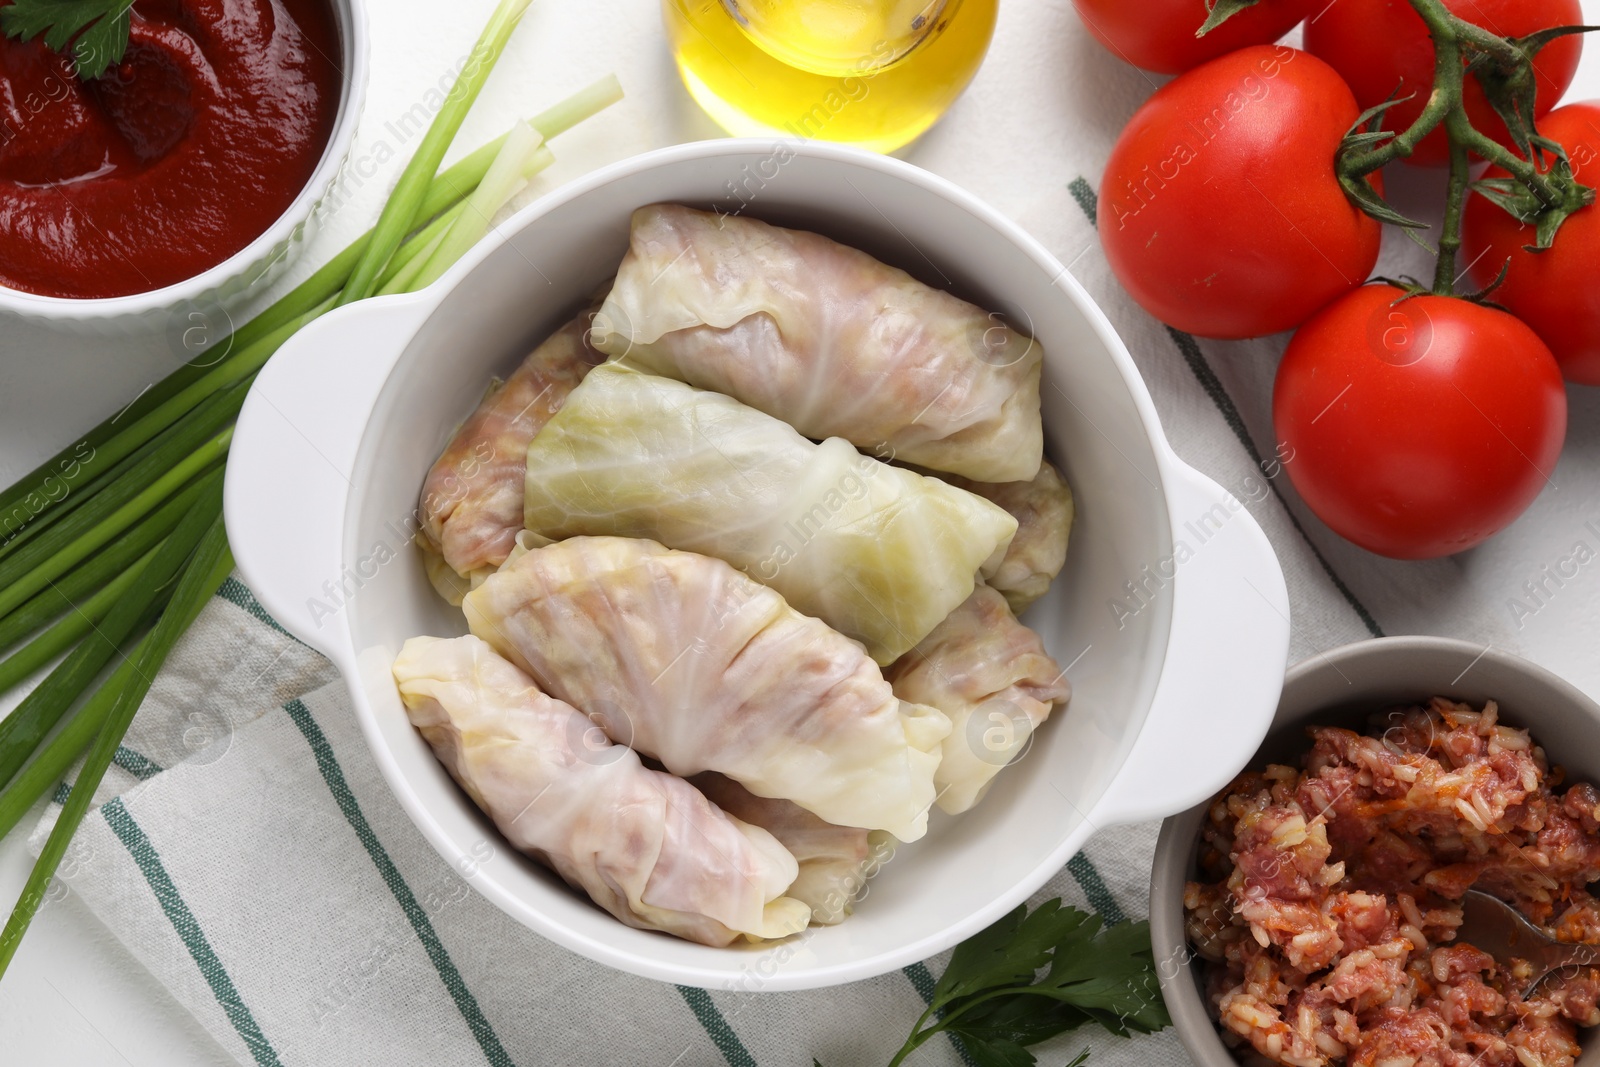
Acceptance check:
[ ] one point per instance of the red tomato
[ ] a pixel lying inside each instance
(1159, 35)
(1378, 45)
(1556, 291)
(1220, 211)
(1421, 428)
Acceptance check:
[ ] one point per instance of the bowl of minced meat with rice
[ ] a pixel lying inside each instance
(1309, 914)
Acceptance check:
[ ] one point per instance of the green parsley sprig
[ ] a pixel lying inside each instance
(993, 996)
(96, 30)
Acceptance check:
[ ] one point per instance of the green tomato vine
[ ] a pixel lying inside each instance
(1541, 189)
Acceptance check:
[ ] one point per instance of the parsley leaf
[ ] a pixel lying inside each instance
(97, 30)
(994, 998)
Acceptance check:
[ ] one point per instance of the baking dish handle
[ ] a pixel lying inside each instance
(294, 448)
(1225, 661)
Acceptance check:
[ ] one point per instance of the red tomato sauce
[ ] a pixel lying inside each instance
(171, 161)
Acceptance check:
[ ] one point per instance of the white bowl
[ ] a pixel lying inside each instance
(256, 264)
(1169, 698)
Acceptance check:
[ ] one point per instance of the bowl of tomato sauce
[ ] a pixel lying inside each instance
(188, 172)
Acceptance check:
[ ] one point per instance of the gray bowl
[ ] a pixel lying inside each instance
(1341, 688)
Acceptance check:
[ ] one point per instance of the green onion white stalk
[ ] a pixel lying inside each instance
(524, 150)
(400, 214)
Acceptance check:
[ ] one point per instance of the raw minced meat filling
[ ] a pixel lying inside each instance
(1332, 897)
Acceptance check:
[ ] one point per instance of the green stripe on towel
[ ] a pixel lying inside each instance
(239, 595)
(328, 764)
(1088, 878)
(137, 764)
(189, 932)
(1085, 195)
(921, 980)
(716, 1027)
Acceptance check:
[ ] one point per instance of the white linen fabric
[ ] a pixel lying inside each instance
(248, 853)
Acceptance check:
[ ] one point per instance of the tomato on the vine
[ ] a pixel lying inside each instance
(1382, 48)
(1159, 35)
(1220, 211)
(1556, 291)
(1417, 427)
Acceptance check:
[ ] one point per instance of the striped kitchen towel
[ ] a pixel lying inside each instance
(268, 879)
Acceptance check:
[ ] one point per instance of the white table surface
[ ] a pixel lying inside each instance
(74, 997)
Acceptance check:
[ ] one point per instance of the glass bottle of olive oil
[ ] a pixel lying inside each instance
(874, 73)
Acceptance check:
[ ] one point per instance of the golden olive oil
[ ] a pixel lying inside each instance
(874, 73)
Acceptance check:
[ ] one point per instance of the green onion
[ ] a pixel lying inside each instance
(400, 213)
(98, 569)
(404, 279)
(587, 102)
(447, 193)
(420, 261)
(206, 568)
(55, 758)
(122, 483)
(409, 259)
(32, 516)
(74, 624)
(40, 710)
(524, 150)
(405, 266)
(229, 372)
(130, 474)
(41, 574)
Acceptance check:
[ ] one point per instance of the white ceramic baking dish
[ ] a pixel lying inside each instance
(1171, 614)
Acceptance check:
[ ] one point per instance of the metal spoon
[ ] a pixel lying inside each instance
(1493, 926)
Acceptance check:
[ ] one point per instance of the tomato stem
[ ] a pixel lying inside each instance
(1558, 193)
(1502, 49)
(1444, 273)
(1449, 77)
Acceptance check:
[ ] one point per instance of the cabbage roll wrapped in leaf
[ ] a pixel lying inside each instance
(1044, 512)
(471, 506)
(827, 339)
(992, 676)
(644, 845)
(879, 553)
(835, 861)
(690, 662)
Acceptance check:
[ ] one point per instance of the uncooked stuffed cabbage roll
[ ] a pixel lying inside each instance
(690, 662)
(992, 676)
(879, 553)
(471, 506)
(1043, 510)
(645, 846)
(835, 861)
(827, 339)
